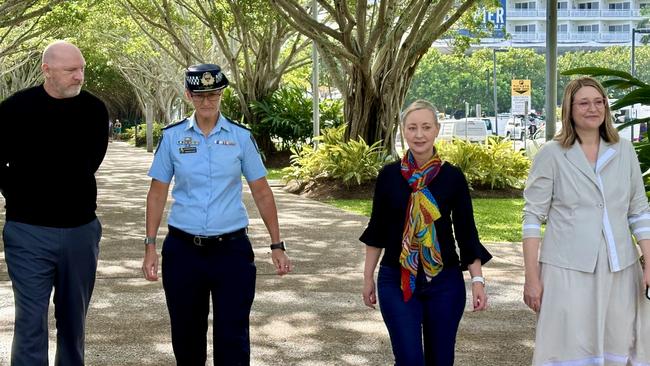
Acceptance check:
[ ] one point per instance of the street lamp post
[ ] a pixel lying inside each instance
(632, 66)
(634, 31)
(494, 69)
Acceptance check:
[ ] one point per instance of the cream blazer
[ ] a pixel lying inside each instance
(583, 207)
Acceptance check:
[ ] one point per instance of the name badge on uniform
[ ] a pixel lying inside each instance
(225, 142)
(187, 149)
(189, 145)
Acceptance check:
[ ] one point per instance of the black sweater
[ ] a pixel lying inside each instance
(450, 190)
(50, 150)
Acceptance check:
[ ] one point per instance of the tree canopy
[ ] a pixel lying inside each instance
(372, 49)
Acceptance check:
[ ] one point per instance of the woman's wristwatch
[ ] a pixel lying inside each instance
(480, 279)
(279, 245)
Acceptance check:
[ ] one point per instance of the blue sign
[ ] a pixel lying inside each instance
(497, 17)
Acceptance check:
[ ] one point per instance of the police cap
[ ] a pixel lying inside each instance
(204, 78)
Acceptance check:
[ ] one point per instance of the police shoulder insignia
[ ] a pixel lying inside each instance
(174, 124)
(159, 143)
(255, 144)
(237, 123)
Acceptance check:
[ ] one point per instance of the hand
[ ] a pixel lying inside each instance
(646, 272)
(150, 263)
(369, 297)
(533, 290)
(479, 297)
(281, 262)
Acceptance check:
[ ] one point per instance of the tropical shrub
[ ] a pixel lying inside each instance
(141, 138)
(493, 165)
(230, 105)
(286, 116)
(352, 162)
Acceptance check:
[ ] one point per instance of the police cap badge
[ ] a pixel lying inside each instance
(204, 78)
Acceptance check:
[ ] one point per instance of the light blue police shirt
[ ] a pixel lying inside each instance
(207, 173)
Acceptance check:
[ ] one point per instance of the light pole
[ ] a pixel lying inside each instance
(634, 31)
(315, 82)
(494, 70)
(632, 67)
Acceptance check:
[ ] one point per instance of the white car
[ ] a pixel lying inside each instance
(472, 129)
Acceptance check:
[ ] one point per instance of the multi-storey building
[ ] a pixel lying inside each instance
(581, 23)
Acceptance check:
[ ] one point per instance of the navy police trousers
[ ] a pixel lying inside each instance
(191, 274)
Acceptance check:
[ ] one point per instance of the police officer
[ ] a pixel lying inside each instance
(206, 250)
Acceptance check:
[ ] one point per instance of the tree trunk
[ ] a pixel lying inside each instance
(373, 107)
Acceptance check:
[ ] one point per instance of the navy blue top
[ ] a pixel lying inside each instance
(451, 192)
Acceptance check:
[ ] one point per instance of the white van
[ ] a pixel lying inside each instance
(472, 129)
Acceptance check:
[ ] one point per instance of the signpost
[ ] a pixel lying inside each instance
(520, 101)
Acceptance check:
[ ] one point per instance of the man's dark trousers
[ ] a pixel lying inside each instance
(38, 259)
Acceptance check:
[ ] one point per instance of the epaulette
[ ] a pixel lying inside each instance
(237, 123)
(174, 124)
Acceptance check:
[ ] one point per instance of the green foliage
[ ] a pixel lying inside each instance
(230, 106)
(286, 116)
(141, 138)
(493, 165)
(448, 80)
(350, 162)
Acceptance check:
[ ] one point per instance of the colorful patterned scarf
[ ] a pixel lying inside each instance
(420, 242)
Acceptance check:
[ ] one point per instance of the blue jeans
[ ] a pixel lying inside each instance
(432, 314)
(41, 258)
(190, 275)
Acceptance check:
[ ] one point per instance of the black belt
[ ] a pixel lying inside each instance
(202, 241)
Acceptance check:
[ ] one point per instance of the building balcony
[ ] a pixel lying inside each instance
(584, 36)
(525, 13)
(620, 13)
(585, 13)
(616, 37)
(574, 13)
(527, 36)
(520, 37)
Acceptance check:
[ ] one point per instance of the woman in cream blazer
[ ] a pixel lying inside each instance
(586, 282)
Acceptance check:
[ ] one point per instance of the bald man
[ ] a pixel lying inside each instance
(53, 137)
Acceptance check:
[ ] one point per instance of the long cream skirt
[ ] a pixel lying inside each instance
(600, 318)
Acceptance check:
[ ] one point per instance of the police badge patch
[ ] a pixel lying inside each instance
(207, 80)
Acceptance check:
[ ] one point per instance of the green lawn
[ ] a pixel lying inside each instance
(274, 173)
(497, 219)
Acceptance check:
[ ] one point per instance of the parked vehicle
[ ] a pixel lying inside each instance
(536, 140)
(472, 129)
(515, 129)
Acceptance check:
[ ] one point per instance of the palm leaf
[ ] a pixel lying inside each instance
(617, 83)
(633, 122)
(640, 95)
(603, 71)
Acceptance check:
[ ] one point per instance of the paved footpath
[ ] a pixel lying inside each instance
(312, 317)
